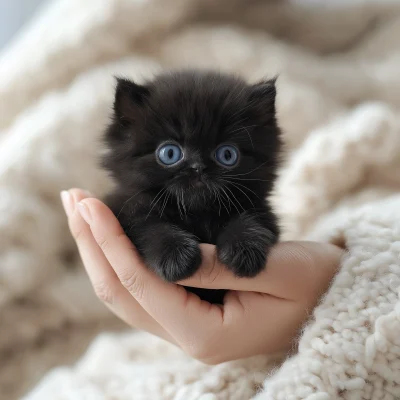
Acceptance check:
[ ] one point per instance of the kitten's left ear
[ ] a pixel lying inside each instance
(263, 95)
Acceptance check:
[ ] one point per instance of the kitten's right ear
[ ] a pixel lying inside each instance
(263, 95)
(128, 97)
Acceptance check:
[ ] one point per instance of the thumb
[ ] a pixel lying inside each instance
(294, 271)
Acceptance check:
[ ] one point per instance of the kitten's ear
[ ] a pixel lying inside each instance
(128, 97)
(263, 95)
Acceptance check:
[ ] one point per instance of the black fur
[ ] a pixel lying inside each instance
(168, 211)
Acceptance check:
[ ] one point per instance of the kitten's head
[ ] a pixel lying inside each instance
(198, 135)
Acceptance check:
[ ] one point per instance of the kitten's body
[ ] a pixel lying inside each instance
(167, 210)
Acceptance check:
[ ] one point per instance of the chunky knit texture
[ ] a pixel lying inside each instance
(338, 104)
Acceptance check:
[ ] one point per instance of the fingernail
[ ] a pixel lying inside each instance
(84, 211)
(67, 203)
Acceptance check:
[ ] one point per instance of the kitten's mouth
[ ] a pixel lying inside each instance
(198, 182)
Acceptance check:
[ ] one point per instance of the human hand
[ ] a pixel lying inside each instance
(260, 315)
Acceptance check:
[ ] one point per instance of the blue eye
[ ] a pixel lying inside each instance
(227, 155)
(169, 154)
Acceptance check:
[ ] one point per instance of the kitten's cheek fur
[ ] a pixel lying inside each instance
(173, 259)
(245, 251)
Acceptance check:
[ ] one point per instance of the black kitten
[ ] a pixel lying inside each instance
(194, 155)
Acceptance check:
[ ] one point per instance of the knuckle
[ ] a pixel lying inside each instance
(104, 292)
(201, 351)
(103, 243)
(77, 230)
(133, 283)
(211, 361)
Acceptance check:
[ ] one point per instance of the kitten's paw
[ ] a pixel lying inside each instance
(244, 250)
(243, 258)
(176, 258)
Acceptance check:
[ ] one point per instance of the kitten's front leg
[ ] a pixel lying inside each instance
(244, 243)
(171, 252)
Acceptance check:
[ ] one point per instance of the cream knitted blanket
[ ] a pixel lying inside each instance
(338, 103)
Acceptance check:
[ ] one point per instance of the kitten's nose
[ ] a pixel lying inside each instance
(198, 167)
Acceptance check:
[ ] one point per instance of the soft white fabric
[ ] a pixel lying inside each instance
(338, 103)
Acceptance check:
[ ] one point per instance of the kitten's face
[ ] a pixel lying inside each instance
(197, 137)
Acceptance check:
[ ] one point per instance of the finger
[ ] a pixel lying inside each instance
(181, 313)
(295, 270)
(105, 282)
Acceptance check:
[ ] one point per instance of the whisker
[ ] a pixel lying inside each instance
(245, 187)
(223, 202)
(241, 128)
(165, 203)
(158, 197)
(127, 201)
(246, 179)
(183, 203)
(229, 200)
(251, 140)
(155, 197)
(238, 188)
(178, 202)
(246, 129)
(247, 173)
(241, 110)
(216, 194)
(234, 198)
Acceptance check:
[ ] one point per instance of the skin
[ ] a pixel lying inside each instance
(261, 315)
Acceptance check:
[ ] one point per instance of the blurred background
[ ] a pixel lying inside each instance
(339, 85)
(14, 15)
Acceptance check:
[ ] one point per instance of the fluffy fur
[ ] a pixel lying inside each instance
(168, 210)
